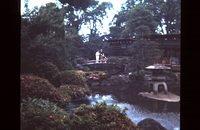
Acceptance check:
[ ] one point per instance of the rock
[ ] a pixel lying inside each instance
(150, 124)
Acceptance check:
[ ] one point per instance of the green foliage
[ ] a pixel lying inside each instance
(140, 21)
(144, 53)
(119, 60)
(94, 16)
(74, 91)
(36, 87)
(139, 17)
(75, 77)
(100, 75)
(48, 21)
(48, 71)
(60, 54)
(79, 4)
(39, 114)
(100, 116)
(137, 75)
(43, 39)
(167, 12)
(76, 17)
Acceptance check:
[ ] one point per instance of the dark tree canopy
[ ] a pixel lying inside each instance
(147, 17)
(80, 4)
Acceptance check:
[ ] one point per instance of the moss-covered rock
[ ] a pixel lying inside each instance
(74, 91)
(150, 124)
(39, 114)
(36, 87)
(102, 117)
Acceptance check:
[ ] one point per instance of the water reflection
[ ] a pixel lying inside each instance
(170, 120)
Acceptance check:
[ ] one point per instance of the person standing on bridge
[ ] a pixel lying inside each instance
(103, 58)
(97, 54)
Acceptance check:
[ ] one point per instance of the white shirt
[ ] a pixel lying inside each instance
(97, 53)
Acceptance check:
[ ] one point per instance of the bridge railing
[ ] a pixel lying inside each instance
(90, 61)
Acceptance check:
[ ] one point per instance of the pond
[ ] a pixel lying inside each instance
(169, 119)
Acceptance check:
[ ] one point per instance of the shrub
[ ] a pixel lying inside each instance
(100, 116)
(48, 71)
(99, 75)
(74, 91)
(137, 75)
(75, 77)
(39, 114)
(144, 53)
(171, 76)
(36, 87)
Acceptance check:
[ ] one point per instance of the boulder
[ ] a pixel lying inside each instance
(150, 124)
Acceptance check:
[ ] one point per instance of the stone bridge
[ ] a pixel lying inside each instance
(111, 68)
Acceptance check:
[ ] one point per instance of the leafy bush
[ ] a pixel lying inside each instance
(144, 53)
(171, 76)
(137, 75)
(99, 75)
(49, 71)
(36, 87)
(60, 53)
(100, 116)
(74, 91)
(119, 60)
(75, 77)
(39, 114)
(43, 39)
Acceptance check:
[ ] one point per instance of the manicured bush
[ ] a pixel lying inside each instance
(49, 71)
(75, 77)
(39, 114)
(96, 75)
(36, 87)
(74, 91)
(102, 117)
